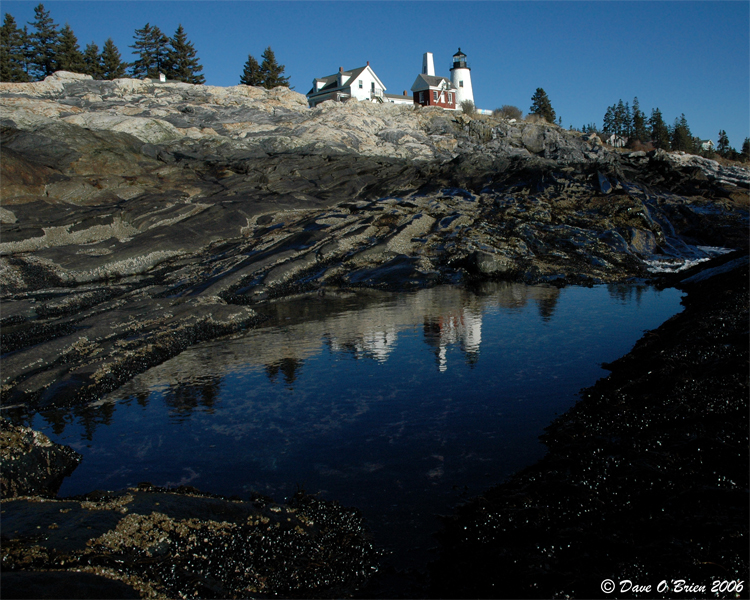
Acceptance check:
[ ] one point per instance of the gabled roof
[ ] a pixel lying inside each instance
(424, 82)
(332, 81)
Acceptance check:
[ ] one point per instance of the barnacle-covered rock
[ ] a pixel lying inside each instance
(30, 463)
(184, 544)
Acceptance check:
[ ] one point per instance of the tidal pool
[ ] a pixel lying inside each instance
(402, 404)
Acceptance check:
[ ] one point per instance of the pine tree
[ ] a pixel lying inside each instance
(152, 47)
(609, 120)
(682, 139)
(113, 66)
(182, 59)
(251, 75)
(745, 156)
(43, 44)
(28, 52)
(271, 72)
(93, 61)
(659, 130)
(542, 106)
(723, 146)
(11, 51)
(69, 56)
(639, 122)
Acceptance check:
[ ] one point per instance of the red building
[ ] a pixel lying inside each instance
(431, 90)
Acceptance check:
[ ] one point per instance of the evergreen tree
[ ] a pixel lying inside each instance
(659, 130)
(272, 72)
(69, 56)
(12, 51)
(152, 48)
(251, 75)
(682, 139)
(113, 66)
(609, 121)
(723, 146)
(622, 121)
(43, 44)
(28, 52)
(639, 122)
(93, 61)
(542, 106)
(183, 62)
(745, 156)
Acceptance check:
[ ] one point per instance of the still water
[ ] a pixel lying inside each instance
(399, 404)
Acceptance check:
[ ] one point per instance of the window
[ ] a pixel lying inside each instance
(450, 98)
(421, 97)
(360, 84)
(372, 86)
(461, 83)
(435, 96)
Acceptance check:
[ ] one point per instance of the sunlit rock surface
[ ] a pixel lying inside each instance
(139, 217)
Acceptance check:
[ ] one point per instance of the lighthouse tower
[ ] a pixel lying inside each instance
(461, 78)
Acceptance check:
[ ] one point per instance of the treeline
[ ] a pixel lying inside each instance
(32, 55)
(633, 129)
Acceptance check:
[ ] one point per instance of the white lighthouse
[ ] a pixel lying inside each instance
(461, 78)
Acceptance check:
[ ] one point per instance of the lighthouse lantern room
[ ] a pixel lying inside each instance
(461, 78)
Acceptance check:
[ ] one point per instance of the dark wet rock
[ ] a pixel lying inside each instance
(87, 353)
(55, 584)
(188, 205)
(183, 544)
(31, 464)
(646, 478)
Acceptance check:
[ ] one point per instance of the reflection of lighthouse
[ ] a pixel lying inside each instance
(464, 329)
(461, 78)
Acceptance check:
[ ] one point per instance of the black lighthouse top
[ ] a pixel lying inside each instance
(459, 61)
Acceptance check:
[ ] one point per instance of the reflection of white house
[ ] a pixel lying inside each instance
(380, 344)
(377, 344)
(361, 84)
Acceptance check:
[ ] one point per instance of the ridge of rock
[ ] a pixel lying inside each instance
(189, 204)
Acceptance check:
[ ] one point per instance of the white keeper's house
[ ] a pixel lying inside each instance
(361, 84)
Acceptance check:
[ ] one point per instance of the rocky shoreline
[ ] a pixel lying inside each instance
(140, 218)
(646, 478)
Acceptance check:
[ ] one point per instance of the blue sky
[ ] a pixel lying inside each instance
(682, 57)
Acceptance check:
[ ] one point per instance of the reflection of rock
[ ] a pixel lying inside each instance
(363, 325)
(30, 463)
